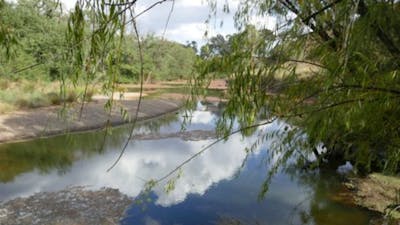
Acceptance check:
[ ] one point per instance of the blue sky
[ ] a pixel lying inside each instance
(187, 21)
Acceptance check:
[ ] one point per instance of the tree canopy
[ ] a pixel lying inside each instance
(45, 42)
(331, 71)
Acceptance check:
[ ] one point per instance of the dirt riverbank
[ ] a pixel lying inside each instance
(47, 121)
(378, 193)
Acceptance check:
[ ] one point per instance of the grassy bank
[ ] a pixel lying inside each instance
(28, 94)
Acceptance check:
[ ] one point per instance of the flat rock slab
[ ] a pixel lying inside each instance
(49, 121)
(73, 206)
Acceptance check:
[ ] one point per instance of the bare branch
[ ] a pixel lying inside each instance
(169, 18)
(306, 62)
(120, 4)
(150, 7)
(27, 67)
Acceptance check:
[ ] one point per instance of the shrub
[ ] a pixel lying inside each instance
(54, 98)
(71, 96)
(28, 87)
(38, 101)
(89, 95)
(32, 102)
(22, 103)
(4, 84)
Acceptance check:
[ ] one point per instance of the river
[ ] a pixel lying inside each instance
(221, 186)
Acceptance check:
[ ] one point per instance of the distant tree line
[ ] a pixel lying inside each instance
(34, 45)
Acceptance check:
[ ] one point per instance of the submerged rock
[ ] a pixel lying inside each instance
(192, 135)
(345, 169)
(72, 206)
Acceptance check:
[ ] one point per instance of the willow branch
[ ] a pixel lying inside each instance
(150, 7)
(307, 62)
(27, 67)
(120, 4)
(139, 101)
(313, 15)
(211, 145)
(323, 34)
(370, 88)
(168, 18)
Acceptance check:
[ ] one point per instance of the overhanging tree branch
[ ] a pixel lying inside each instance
(313, 15)
(383, 37)
(306, 62)
(212, 144)
(135, 119)
(369, 88)
(323, 34)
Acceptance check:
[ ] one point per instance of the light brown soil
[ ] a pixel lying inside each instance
(377, 192)
(219, 84)
(47, 121)
(156, 85)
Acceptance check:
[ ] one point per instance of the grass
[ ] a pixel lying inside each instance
(27, 94)
(6, 107)
(304, 70)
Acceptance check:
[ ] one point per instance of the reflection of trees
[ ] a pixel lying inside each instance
(48, 154)
(324, 204)
(214, 107)
(154, 125)
(224, 220)
(60, 152)
(320, 206)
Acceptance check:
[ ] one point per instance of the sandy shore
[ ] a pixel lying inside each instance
(47, 121)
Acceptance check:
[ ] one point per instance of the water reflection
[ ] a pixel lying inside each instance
(56, 163)
(290, 200)
(215, 188)
(59, 153)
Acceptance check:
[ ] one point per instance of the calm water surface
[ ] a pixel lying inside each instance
(220, 186)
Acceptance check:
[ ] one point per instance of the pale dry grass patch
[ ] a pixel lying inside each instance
(303, 70)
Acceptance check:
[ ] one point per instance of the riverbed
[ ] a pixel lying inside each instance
(220, 186)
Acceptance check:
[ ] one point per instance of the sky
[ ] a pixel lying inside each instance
(187, 22)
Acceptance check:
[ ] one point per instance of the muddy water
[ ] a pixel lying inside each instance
(221, 186)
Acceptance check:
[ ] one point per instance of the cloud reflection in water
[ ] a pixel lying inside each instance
(142, 161)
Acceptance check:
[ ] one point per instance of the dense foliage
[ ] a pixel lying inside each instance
(33, 34)
(331, 71)
(162, 60)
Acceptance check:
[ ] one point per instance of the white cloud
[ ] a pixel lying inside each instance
(143, 160)
(187, 22)
(68, 4)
